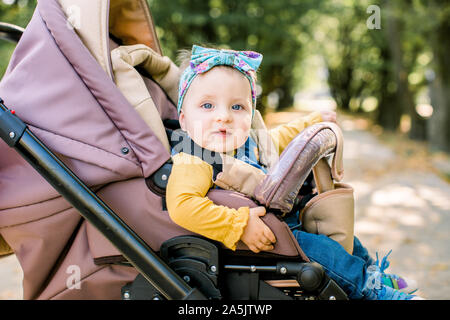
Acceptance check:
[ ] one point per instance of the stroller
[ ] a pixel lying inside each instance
(82, 195)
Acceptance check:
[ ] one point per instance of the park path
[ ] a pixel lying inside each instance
(401, 204)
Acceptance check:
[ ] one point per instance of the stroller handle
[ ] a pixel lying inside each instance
(15, 133)
(282, 184)
(10, 32)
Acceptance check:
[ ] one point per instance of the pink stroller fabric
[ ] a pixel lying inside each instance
(60, 91)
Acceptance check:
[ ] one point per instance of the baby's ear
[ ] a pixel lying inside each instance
(182, 120)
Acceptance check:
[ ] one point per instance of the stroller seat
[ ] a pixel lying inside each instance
(61, 83)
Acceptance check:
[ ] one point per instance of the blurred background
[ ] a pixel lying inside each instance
(384, 66)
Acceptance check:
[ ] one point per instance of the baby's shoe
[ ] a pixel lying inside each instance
(399, 283)
(387, 293)
(402, 284)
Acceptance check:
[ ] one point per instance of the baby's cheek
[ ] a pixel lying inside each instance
(197, 131)
(241, 136)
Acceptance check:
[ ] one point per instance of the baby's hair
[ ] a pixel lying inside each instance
(183, 58)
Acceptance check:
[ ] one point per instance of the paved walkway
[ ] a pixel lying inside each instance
(10, 278)
(399, 206)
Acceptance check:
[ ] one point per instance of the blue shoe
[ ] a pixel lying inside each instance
(402, 284)
(387, 293)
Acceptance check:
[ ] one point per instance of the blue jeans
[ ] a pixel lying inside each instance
(348, 271)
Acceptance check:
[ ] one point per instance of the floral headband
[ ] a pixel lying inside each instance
(204, 59)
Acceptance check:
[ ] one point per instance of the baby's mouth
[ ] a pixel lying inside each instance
(223, 132)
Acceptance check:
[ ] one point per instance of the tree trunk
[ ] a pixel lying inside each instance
(404, 97)
(438, 133)
(339, 81)
(389, 112)
(340, 78)
(286, 99)
(439, 128)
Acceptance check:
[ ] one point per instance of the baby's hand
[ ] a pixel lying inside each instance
(328, 116)
(257, 235)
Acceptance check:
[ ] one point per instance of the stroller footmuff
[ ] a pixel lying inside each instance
(61, 84)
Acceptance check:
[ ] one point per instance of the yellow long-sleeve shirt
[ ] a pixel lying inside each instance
(191, 179)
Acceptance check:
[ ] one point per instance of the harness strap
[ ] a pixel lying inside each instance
(181, 142)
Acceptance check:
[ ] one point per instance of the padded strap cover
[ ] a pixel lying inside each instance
(239, 176)
(282, 183)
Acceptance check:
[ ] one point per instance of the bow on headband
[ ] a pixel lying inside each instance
(203, 59)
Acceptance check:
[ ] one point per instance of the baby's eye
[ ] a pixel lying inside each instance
(237, 107)
(207, 106)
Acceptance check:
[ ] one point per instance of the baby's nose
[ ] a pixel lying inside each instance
(223, 115)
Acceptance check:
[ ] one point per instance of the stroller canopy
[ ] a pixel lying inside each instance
(60, 83)
(63, 82)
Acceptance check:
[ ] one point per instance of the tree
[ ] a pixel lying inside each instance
(344, 58)
(404, 46)
(266, 26)
(439, 129)
(376, 62)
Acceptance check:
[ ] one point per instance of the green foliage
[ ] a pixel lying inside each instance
(384, 72)
(352, 58)
(269, 27)
(388, 64)
(18, 12)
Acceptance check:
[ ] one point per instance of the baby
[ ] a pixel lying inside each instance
(217, 99)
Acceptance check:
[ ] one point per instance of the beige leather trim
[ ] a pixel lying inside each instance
(337, 167)
(332, 213)
(89, 19)
(322, 176)
(124, 60)
(169, 78)
(239, 176)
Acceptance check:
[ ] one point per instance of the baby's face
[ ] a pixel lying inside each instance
(217, 109)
